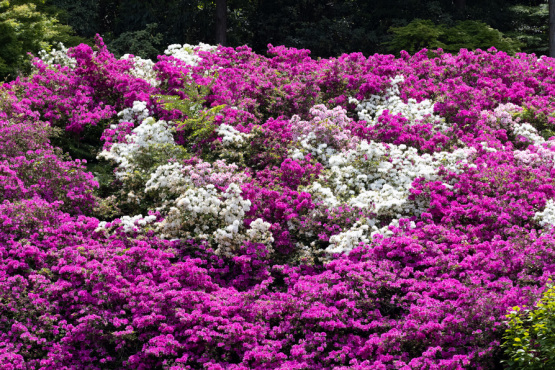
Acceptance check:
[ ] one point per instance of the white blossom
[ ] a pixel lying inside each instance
(546, 218)
(503, 117)
(188, 53)
(206, 213)
(129, 223)
(378, 177)
(371, 109)
(348, 240)
(58, 56)
(361, 232)
(231, 137)
(148, 134)
(142, 68)
(542, 155)
(136, 114)
(529, 132)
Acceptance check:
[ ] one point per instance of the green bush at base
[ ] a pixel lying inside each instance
(530, 338)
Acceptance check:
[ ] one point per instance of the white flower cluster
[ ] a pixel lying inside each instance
(58, 56)
(378, 177)
(324, 135)
(128, 119)
(259, 232)
(309, 144)
(130, 224)
(231, 137)
(136, 114)
(142, 68)
(546, 217)
(188, 53)
(529, 132)
(207, 213)
(371, 109)
(544, 154)
(348, 240)
(321, 151)
(168, 179)
(487, 148)
(502, 117)
(148, 134)
(174, 178)
(322, 194)
(361, 232)
(188, 194)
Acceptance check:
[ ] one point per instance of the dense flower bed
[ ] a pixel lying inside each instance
(273, 211)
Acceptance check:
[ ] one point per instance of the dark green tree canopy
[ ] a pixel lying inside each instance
(420, 34)
(326, 28)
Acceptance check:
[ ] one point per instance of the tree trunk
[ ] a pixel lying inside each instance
(221, 21)
(460, 4)
(552, 28)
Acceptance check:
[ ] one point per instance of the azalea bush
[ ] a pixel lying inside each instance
(222, 209)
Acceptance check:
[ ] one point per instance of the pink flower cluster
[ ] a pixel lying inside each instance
(429, 289)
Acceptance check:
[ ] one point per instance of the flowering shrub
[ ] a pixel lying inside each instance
(272, 212)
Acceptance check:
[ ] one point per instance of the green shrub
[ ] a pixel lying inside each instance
(417, 35)
(198, 120)
(423, 33)
(529, 342)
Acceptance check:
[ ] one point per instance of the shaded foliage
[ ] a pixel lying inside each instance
(146, 42)
(327, 28)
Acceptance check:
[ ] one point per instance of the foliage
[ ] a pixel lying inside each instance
(23, 29)
(81, 15)
(327, 28)
(478, 35)
(417, 35)
(530, 337)
(530, 26)
(470, 35)
(198, 123)
(144, 43)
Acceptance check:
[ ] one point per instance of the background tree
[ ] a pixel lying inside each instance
(146, 43)
(84, 16)
(25, 28)
(332, 27)
(460, 4)
(529, 25)
(221, 21)
(420, 34)
(327, 28)
(552, 28)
